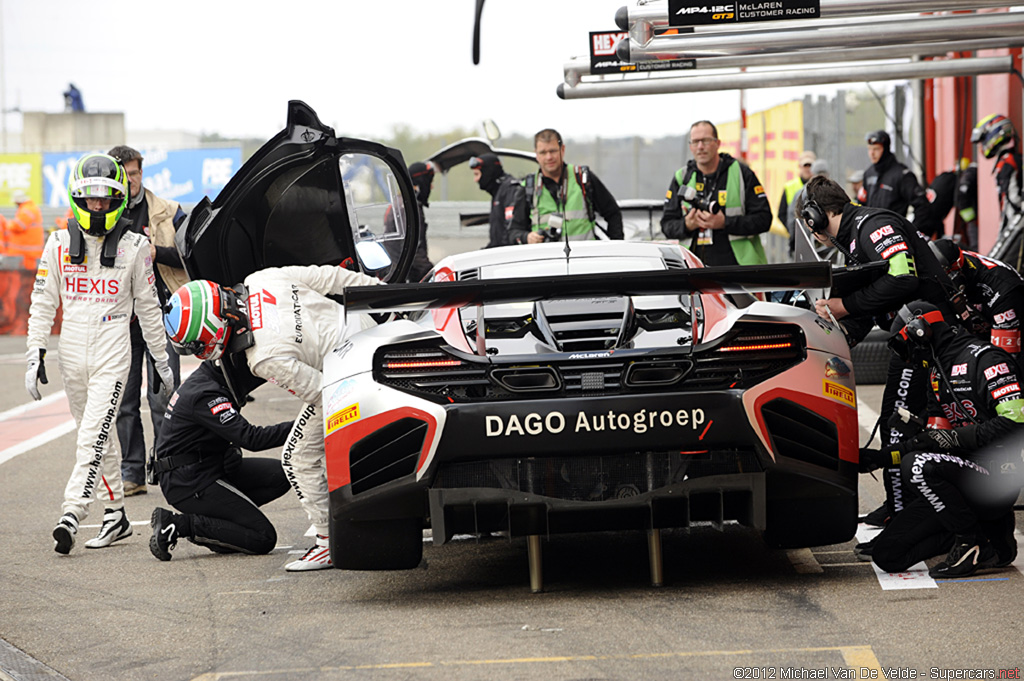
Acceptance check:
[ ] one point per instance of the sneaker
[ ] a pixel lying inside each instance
(64, 533)
(115, 528)
(165, 533)
(133, 488)
(862, 551)
(968, 555)
(317, 558)
(877, 518)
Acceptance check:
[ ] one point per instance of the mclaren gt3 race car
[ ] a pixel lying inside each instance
(544, 389)
(541, 389)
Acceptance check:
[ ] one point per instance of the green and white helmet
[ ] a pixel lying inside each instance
(98, 176)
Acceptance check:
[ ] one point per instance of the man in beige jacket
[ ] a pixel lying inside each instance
(157, 219)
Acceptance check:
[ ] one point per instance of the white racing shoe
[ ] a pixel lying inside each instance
(64, 533)
(115, 527)
(317, 558)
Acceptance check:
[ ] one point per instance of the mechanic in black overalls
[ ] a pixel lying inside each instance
(961, 483)
(993, 289)
(202, 472)
(867, 235)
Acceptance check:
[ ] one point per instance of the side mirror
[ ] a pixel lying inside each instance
(491, 130)
(372, 257)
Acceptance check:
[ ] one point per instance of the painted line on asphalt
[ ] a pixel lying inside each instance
(33, 424)
(37, 423)
(804, 561)
(865, 410)
(854, 657)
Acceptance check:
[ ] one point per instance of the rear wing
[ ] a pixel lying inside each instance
(731, 279)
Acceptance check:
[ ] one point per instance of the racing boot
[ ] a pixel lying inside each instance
(863, 550)
(64, 533)
(166, 530)
(115, 528)
(969, 554)
(317, 558)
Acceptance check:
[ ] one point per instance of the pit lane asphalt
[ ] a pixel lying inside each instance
(729, 602)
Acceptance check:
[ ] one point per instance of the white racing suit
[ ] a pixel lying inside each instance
(95, 352)
(294, 326)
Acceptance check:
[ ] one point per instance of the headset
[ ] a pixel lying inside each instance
(917, 331)
(814, 217)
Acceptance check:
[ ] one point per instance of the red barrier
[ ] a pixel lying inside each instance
(15, 299)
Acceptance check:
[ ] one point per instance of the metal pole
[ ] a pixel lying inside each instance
(646, 20)
(850, 34)
(576, 69)
(655, 555)
(536, 565)
(796, 77)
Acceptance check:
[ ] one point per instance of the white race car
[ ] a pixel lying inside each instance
(543, 389)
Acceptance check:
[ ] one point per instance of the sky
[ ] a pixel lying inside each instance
(230, 67)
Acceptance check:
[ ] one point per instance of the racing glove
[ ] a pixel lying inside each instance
(889, 457)
(952, 440)
(36, 372)
(165, 381)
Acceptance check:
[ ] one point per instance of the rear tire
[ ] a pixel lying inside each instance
(376, 544)
(799, 523)
(871, 358)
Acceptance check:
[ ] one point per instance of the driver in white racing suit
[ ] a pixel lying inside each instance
(98, 271)
(294, 325)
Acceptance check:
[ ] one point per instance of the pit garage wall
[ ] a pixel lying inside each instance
(957, 104)
(775, 138)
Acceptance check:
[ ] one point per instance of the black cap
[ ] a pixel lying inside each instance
(878, 137)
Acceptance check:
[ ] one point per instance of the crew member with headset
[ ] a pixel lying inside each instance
(716, 206)
(867, 235)
(993, 289)
(962, 476)
(561, 198)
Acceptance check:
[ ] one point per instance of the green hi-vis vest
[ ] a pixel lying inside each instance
(792, 187)
(746, 249)
(577, 224)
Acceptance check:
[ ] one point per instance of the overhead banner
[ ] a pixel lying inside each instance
(604, 60)
(182, 175)
(698, 13)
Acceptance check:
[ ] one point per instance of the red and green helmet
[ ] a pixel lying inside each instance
(98, 176)
(193, 320)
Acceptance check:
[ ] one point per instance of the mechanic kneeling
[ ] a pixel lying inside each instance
(202, 472)
(962, 479)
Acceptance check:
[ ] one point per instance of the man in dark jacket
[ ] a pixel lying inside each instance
(963, 476)
(202, 472)
(867, 235)
(489, 174)
(727, 210)
(890, 184)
